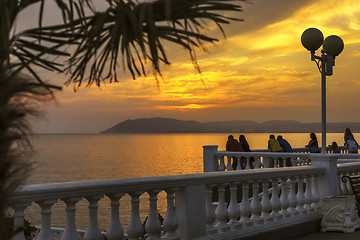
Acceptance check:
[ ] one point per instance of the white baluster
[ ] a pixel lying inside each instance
(45, 232)
(256, 205)
(70, 232)
(228, 164)
(284, 199)
(265, 202)
(247, 162)
(153, 225)
(115, 230)
(257, 162)
(221, 211)
(135, 229)
(222, 164)
(170, 222)
(210, 212)
(300, 195)
(93, 231)
(19, 209)
(315, 193)
(275, 165)
(308, 195)
(266, 162)
(283, 162)
(275, 200)
(292, 197)
(234, 209)
(238, 166)
(339, 190)
(245, 208)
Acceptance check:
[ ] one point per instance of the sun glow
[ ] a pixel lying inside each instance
(260, 67)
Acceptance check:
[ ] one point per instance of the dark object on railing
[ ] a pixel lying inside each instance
(29, 230)
(355, 185)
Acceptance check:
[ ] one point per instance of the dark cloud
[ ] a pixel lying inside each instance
(259, 13)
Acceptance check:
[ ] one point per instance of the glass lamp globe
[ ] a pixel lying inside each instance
(312, 39)
(333, 45)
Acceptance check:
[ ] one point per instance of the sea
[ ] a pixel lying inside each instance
(89, 157)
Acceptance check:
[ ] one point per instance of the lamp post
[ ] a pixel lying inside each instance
(312, 39)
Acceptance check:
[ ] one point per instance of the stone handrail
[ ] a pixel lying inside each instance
(343, 149)
(194, 216)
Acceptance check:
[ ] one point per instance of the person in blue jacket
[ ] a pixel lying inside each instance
(286, 148)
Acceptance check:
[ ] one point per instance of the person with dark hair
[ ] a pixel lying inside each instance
(334, 147)
(286, 147)
(232, 145)
(313, 144)
(245, 145)
(350, 141)
(274, 145)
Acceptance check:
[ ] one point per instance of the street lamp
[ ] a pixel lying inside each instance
(312, 39)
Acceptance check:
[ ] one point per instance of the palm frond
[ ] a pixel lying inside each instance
(137, 31)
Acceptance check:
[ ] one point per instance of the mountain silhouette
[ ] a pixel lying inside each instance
(170, 125)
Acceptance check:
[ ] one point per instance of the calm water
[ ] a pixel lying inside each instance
(64, 158)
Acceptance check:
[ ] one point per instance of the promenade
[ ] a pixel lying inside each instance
(330, 236)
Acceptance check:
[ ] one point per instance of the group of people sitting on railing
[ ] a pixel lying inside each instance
(279, 144)
(349, 142)
(233, 145)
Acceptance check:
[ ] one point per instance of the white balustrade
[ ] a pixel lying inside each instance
(93, 231)
(70, 232)
(19, 219)
(221, 211)
(308, 194)
(153, 225)
(300, 195)
(210, 212)
(293, 201)
(233, 209)
(275, 200)
(170, 221)
(45, 232)
(315, 193)
(265, 202)
(115, 230)
(262, 206)
(135, 228)
(245, 207)
(222, 164)
(263, 158)
(256, 204)
(284, 198)
(228, 164)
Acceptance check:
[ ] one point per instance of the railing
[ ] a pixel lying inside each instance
(215, 160)
(343, 149)
(346, 168)
(195, 215)
(211, 205)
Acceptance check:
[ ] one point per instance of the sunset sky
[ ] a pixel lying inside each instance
(259, 72)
